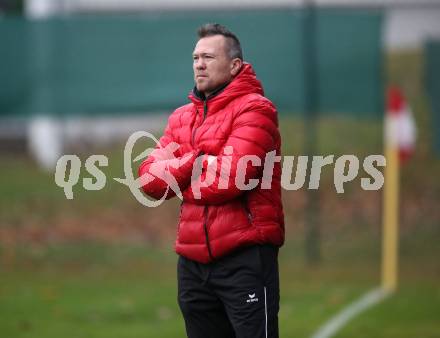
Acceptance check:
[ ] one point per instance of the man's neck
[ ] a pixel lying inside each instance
(207, 95)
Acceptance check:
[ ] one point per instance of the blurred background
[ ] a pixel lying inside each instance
(78, 77)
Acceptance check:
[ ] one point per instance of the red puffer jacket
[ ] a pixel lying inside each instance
(219, 217)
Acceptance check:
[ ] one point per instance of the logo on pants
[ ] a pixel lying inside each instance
(252, 298)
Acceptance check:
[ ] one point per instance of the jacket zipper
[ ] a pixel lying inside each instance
(194, 132)
(205, 112)
(205, 210)
(205, 109)
(205, 214)
(247, 210)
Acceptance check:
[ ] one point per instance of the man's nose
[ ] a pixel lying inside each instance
(200, 64)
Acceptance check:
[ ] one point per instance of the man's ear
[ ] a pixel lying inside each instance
(236, 66)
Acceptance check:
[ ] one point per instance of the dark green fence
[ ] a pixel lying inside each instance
(94, 64)
(432, 77)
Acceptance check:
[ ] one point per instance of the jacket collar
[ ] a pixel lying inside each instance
(201, 96)
(244, 83)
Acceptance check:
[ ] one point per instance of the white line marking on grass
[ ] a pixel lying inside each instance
(342, 318)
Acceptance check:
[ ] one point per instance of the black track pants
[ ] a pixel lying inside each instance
(235, 296)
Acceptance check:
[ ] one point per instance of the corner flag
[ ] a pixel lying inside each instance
(400, 129)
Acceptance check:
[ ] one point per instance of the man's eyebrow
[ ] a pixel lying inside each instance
(203, 54)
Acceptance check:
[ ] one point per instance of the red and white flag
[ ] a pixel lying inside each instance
(400, 128)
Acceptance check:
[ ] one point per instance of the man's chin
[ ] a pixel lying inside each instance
(201, 88)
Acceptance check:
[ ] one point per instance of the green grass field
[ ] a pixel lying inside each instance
(89, 290)
(101, 265)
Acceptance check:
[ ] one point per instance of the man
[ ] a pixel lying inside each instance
(230, 227)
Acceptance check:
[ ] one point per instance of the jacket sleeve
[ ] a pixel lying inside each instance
(162, 169)
(254, 132)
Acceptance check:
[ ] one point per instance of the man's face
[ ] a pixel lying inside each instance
(211, 64)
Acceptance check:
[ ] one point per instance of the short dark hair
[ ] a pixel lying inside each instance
(211, 29)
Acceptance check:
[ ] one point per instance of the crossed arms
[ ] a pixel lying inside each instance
(206, 179)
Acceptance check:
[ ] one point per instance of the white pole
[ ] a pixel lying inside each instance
(45, 141)
(44, 133)
(40, 9)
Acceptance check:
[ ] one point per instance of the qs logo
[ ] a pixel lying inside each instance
(67, 179)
